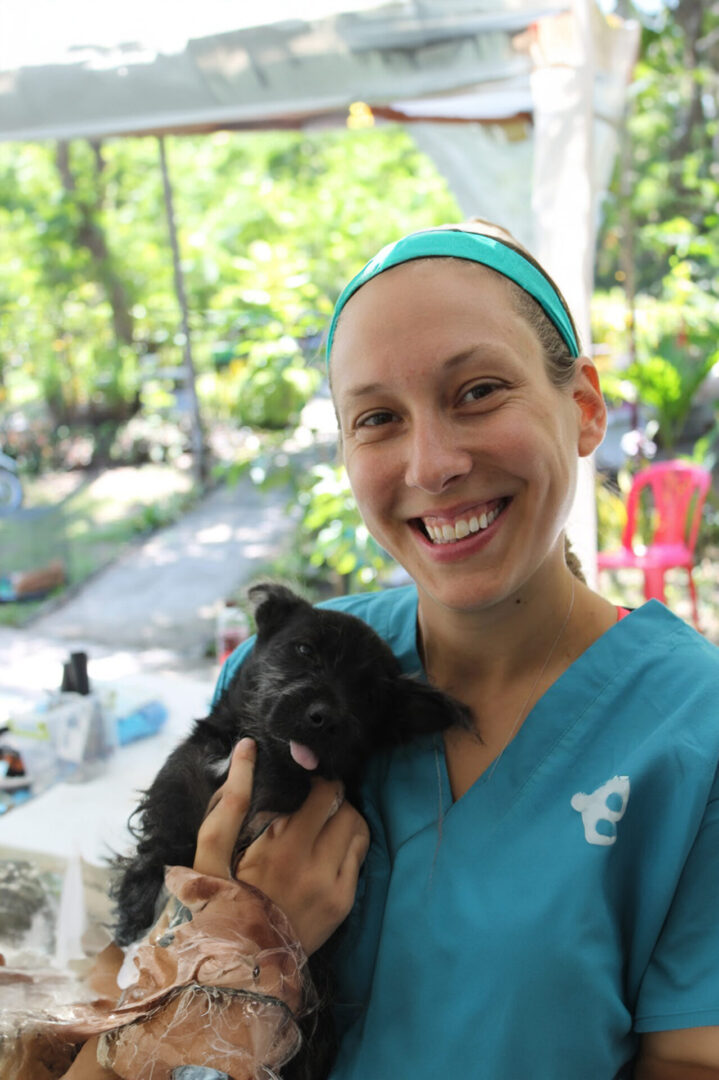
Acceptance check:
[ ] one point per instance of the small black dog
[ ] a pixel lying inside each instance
(320, 693)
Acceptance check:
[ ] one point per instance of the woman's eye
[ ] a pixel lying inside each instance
(375, 419)
(479, 391)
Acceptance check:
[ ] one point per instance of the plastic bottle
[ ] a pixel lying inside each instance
(233, 627)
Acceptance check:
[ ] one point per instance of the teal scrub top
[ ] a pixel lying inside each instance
(569, 900)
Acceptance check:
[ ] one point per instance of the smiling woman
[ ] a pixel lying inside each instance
(434, 372)
(464, 406)
(539, 894)
(538, 901)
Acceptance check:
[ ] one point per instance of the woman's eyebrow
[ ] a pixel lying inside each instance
(365, 389)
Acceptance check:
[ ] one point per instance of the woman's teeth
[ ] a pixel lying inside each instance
(449, 534)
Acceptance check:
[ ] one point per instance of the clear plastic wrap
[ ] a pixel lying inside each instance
(228, 1030)
(218, 982)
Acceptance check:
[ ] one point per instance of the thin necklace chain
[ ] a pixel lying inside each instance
(490, 772)
(533, 687)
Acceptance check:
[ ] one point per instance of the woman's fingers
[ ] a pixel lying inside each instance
(355, 853)
(309, 863)
(344, 834)
(227, 811)
(306, 824)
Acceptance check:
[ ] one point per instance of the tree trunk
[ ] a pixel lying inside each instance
(92, 237)
(198, 440)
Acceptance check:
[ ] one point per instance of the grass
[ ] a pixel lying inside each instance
(86, 521)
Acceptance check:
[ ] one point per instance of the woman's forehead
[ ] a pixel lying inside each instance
(447, 306)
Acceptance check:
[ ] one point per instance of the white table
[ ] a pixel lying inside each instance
(90, 819)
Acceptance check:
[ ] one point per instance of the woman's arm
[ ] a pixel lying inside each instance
(86, 1066)
(246, 940)
(687, 1054)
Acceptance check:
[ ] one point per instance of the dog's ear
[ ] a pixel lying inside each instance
(421, 709)
(274, 604)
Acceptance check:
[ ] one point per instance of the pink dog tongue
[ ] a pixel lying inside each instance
(304, 757)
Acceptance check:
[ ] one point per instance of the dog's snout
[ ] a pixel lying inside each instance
(320, 715)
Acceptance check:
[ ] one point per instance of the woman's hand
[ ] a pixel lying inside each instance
(307, 863)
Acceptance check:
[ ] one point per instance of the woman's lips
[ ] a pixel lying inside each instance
(443, 530)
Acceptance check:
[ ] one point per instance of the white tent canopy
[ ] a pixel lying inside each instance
(518, 101)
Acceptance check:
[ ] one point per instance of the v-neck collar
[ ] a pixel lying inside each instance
(552, 719)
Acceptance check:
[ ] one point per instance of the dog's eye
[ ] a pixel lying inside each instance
(305, 650)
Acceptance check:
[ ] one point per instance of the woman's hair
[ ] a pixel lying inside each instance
(560, 363)
(559, 360)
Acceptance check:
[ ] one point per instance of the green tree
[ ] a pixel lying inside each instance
(65, 308)
(670, 176)
(270, 225)
(660, 239)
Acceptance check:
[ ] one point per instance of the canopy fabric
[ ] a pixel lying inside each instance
(519, 103)
(435, 59)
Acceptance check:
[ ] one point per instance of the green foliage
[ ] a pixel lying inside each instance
(275, 385)
(63, 306)
(669, 176)
(611, 514)
(333, 537)
(676, 348)
(331, 543)
(270, 227)
(660, 237)
(158, 515)
(668, 378)
(706, 449)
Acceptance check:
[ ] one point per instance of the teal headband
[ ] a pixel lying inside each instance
(476, 247)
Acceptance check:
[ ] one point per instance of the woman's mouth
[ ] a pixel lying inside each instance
(440, 530)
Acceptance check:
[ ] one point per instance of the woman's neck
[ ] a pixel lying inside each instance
(548, 623)
(501, 661)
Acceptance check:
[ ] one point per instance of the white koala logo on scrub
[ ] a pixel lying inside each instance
(602, 810)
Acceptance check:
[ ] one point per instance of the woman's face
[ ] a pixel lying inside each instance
(461, 453)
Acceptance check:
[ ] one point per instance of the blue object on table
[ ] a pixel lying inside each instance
(197, 1072)
(145, 720)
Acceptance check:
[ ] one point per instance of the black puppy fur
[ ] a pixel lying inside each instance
(321, 678)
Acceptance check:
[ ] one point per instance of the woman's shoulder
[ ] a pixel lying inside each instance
(380, 609)
(667, 671)
(666, 636)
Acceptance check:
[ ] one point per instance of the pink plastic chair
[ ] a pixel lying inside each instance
(678, 490)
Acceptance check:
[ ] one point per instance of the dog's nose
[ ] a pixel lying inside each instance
(320, 715)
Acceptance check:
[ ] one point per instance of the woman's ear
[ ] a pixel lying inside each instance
(592, 409)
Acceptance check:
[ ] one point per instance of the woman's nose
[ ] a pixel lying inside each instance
(435, 458)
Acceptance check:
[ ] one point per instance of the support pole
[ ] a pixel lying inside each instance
(197, 437)
(563, 202)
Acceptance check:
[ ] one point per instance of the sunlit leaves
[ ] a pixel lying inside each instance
(333, 533)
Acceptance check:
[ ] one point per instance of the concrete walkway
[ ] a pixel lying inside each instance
(145, 623)
(154, 610)
(165, 592)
